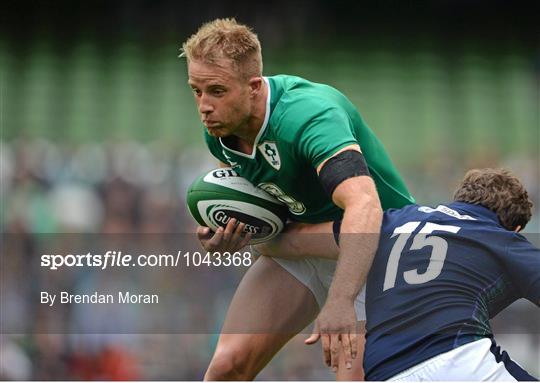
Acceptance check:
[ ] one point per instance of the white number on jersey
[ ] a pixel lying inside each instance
(420, 240)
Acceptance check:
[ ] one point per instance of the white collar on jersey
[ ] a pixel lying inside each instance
(263, 127)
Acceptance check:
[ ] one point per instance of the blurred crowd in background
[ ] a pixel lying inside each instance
(48, 188)
(99, 134)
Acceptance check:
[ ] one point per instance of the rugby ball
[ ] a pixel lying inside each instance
(221, 194)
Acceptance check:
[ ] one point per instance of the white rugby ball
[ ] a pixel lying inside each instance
(221, 194)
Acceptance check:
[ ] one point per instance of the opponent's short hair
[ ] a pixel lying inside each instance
(499, 191)
(226, 39)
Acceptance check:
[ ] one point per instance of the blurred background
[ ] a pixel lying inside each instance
(99, 134)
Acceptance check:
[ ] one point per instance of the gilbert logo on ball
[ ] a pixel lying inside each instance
(221, 194)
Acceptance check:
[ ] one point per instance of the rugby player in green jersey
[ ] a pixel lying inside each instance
(306, 144)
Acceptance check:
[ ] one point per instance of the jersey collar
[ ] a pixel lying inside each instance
(261, 131)
(475, 210)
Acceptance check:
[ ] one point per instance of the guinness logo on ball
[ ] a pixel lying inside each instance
(257, 227)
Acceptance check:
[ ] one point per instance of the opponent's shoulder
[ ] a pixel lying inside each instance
(518, 243)
(521, 263)
(393, 218)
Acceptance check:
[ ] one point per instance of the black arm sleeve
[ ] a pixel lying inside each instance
(345, 165)
(342, 166)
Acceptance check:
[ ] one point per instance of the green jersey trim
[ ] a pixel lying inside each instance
(261, 131)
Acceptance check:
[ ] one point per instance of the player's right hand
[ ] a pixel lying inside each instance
(336, 327)
(230, 239)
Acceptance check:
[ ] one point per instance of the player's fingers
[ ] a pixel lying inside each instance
(203, 232)
(347, 353)
(353, 337)
(245, 240)
(216, 240)
(236, 241)
(229, 229)
(239, 229)
(325, 340)
(313, 338)
(315, 335)
(334, 351)
(236, 238)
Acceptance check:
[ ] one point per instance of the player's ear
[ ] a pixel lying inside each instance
(255, 85)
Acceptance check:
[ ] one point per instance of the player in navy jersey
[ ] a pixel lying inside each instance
(439, 275)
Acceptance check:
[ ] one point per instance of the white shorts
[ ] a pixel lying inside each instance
(316, 274)
(473, 361)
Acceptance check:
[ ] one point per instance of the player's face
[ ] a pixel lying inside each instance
(222, 97)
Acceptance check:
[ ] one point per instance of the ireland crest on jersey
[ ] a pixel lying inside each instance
(271, 154)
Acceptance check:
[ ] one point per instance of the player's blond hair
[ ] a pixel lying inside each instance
(499, 191)
(226, 39)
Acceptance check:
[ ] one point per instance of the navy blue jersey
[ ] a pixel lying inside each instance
(438, 276)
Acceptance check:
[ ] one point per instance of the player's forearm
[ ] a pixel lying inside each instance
(280, 247)
(359, 239)
(302, 240)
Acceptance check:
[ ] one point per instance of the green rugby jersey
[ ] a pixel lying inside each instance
(305, 124)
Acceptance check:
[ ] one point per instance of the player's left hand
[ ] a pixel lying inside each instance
(336, 324)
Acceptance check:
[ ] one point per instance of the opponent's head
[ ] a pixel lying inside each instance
(225, 72)
(499, 191)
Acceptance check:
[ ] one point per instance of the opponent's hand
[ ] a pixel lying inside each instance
(336, 324)
(230, 239)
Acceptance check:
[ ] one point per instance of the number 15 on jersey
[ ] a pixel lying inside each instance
(436, 260)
